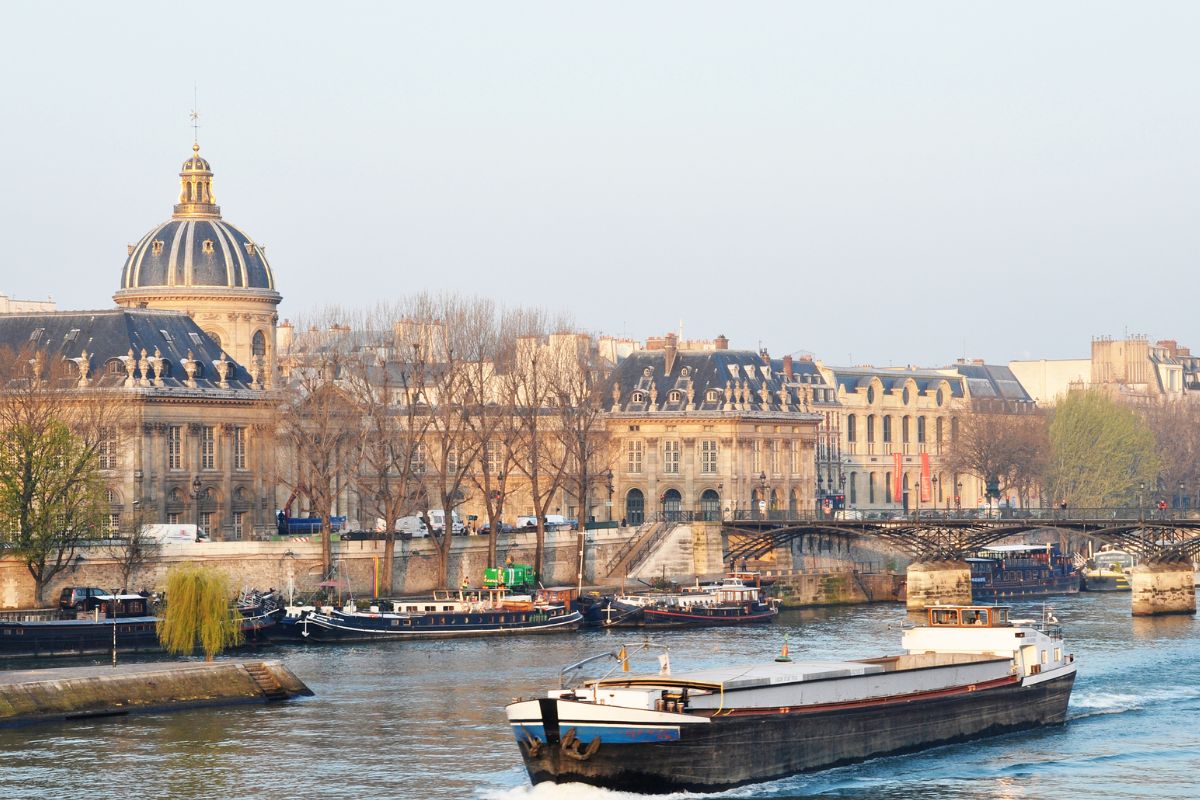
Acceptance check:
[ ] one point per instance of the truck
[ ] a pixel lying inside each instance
(517, 577)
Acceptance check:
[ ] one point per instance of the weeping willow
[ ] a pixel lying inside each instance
(198, 612)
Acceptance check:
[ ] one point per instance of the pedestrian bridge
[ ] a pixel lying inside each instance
(1156, 537)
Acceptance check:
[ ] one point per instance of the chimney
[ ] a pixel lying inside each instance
(787, 367)
(721, 342)
(669, 351)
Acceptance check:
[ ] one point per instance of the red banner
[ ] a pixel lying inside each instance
(926, 483)
(898, 478)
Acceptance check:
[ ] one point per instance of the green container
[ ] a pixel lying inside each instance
(513, 576)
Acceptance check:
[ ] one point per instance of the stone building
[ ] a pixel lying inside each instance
(888, 419)
(710, 433)
(190, 359)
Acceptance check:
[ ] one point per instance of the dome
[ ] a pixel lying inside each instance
(196, 247)
(197, 252)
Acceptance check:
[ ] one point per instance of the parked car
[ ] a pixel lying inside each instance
(503, 527)
(81, 598)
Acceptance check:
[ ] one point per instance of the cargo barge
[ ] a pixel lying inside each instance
(971, 672)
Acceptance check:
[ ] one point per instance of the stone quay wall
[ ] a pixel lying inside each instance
(838, 588)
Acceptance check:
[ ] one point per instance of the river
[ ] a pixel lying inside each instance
(425, 720)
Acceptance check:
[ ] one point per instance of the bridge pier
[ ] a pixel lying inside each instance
(1163, 587)
(932, 583)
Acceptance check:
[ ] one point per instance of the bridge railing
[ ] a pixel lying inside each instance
(863, 514)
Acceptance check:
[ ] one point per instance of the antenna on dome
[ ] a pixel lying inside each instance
(195, 116)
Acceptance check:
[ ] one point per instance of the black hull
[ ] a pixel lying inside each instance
(999, 592)
(75, 638)
(1105, 583)
(319, 631)
(732, 751)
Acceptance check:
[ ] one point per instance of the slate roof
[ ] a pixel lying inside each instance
(850, 379)
(993, 382)
(108, 335)
(703, 378)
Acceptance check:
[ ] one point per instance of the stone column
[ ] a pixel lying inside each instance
(932, 583)
(1163, 588)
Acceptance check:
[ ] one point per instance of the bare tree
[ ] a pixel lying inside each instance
(388, 386)
(1176, 429)
(541, 457)
(1008, 450)
(320, 427)
(52, 423)
(134, 550)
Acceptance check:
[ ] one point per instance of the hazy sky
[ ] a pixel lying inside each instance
(871, 182)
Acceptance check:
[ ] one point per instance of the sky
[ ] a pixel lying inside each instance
(885, 183)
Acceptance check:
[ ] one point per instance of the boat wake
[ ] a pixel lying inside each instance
(1099, 703)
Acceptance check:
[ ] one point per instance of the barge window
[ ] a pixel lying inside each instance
(1058, 654)
(1045, 656)
(945, 616)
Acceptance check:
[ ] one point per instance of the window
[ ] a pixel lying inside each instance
(452, 459)
(671, 457)
(208, 447)
(112, 522)
(416, 461)
(492, 458)
(756, 456)
(887, 487)
(156, 247)
(773, 456)
(173, 518)
(638, 397)
(174, 447)
(239, 448)
(887, 428)
(712, 396)
(675, 396)
(904, 437)
(708, 457)
(207, 246)
(205, 522)
(633, 450)
(239, 523)
(851, 428)
(108, 448)
(794, 450)
(937, 433)
(258, 346)
(920, 430)
(871, 428)
(853, 487)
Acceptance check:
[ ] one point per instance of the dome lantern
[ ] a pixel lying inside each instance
(195, 189)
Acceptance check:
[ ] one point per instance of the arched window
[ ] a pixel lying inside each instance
(920, 430)
(937, 433)
(635, 507)
(712, 396)
(851, 428)
(216, 337)
(905, 494)
(710, 506)
(115, 366)
(793, 503)
(954, 429)
(870, 429)
(637, 397)
(904, 430)
(887, 487)
(674, 396)
(111, 497)
(887, 428)
(258, 346)
(853, 488)
(871, 488)
(672, 504)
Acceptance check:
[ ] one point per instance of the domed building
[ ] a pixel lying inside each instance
(212, 270)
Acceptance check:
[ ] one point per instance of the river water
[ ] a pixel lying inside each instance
(425, 720)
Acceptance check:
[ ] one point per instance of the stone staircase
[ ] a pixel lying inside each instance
(266, 681)
(671, 556)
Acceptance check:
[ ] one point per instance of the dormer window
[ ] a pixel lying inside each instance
(249, 248)
(156, 247)
(207, 246)
(638, 397)
(712, 396)
(675, 396)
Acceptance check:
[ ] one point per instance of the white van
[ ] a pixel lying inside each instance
(414, 526)
(172, 534)
(437, 521)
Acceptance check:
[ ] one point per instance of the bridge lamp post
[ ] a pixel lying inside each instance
(762, 494)
(1180, 496)
(1141, 490)
(958, 497)
(933, 479)
(197, 494)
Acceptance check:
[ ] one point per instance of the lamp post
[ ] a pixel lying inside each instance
(1141, 490)
(197, 493)
(1180, 501)
(762, 493)
(958, 497)
(933, 480)
(608, 484)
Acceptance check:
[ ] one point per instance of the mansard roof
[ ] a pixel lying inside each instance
(709, 381)
(108, 336)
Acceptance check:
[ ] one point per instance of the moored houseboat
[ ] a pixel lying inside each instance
(730, 602)
(487, 612)
(970, 672)
(1108, 571)
(1015, 571)
(105, 621)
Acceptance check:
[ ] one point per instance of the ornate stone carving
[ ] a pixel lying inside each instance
(84, 362)
(189, 366)
(130, 367)
(653, 397)
(222, 366)
(616, 396)
(728, 393)
(144, 368)
(691, 397)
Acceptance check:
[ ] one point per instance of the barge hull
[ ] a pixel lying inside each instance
(736, 750)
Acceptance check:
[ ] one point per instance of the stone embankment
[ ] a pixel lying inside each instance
(838, 588)
(45, 695)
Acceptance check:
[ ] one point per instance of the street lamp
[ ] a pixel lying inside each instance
(958, 497)
(608, 484)
(762, 492)
(933, 479)
(1141, 490)
(1180, 501)
(197, 487)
